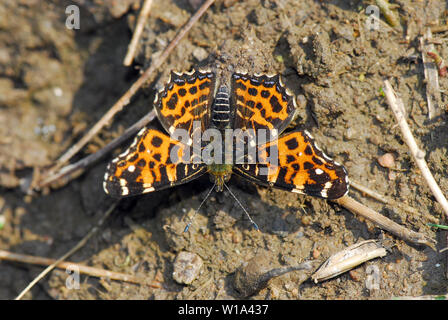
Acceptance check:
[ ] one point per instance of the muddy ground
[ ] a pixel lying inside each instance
(55, 83)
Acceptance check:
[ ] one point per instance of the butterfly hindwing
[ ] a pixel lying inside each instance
(295, 163)
(153, 162)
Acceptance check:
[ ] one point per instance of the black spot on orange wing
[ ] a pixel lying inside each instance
(262, 102)
(138, 171)
(186, 98)
(292, 144)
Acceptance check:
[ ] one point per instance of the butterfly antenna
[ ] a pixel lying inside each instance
(245, 211)
(197, 210)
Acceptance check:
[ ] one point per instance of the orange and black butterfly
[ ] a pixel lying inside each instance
(244, 102)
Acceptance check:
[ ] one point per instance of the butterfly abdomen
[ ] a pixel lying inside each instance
(221, 108)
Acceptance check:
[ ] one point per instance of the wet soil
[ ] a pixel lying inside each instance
(55, 83)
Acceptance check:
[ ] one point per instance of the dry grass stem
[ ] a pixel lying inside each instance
(375, 195)
(383, 222)
(143, 16)
(397, 106)
(65, 265)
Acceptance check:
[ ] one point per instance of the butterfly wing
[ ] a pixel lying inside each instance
(296, 164)
(153, 162)
(186, 99)
(262, 102)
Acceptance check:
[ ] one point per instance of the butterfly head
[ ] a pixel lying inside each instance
(220, 174)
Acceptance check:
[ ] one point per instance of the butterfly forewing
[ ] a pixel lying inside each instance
(186, 99)
(262, 102)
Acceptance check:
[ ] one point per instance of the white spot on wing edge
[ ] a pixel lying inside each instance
(123, 154)
(324, 193)
(147, 190)
(294, 101)
(241, 71)
(124, 191)
(205, 70)
(296, 190)
(308, 134)
(280, 80)
(141, 132)
(105, 186)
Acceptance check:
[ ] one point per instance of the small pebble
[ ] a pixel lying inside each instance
(186, 267)
(306, 221)
(316, 253)
(200, 53)
(387, 160)
(354, 275)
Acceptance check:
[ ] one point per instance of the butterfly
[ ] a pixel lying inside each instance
(208, 108)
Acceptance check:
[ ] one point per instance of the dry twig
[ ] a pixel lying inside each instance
(143, 16)
(91, 271)
(383, 222)
(375, 195)
(397, 107)
(438, 29)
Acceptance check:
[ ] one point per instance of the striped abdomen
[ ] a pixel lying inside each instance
(221, 108)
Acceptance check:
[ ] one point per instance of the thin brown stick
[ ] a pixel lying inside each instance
(143, 16)
(70, 252)
(71, 171)
(91, 271)
(438, 29)
(125, 99)
(397, 106)
(383, 222)
(375, 195)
